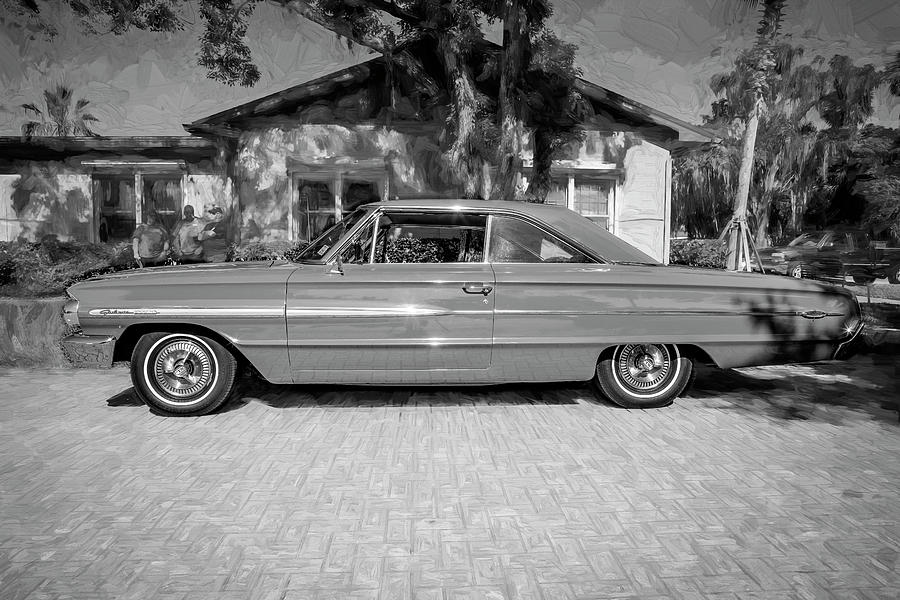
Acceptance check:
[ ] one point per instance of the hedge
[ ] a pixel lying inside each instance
(47, 268)
(698, 253)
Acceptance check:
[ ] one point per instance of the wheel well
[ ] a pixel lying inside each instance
(695, 353)
(129, 338)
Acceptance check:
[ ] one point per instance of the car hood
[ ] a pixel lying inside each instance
(185, 275)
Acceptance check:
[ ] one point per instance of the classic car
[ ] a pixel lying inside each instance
(414, 292)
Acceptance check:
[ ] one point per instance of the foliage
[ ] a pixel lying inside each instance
(804, 163)
(536, 71)
(59, 117)
(875, 154)
(708, 253)
(276, 250)
(49, 267)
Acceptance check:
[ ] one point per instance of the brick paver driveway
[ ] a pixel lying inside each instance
(762, 483)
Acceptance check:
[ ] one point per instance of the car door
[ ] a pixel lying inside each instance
(410, 301)
(549, 296)
(828, 260)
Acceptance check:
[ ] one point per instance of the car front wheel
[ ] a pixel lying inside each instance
(644, 375)
(182, 374)
(796, 271)
(893, 273)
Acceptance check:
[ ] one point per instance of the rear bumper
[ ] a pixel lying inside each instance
(852, 345)
(89, 351)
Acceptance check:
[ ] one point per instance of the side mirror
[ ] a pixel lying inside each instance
(335, 268)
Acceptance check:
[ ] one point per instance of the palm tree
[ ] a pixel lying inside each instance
(762, 62)
(60, 117)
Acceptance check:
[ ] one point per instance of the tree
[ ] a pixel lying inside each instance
(60, 117)
(795, 163)
(761, 61)
(388, 27)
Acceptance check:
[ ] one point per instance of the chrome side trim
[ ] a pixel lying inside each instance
(392, 343)
(650, 312)
(400, 311)
(189, 312)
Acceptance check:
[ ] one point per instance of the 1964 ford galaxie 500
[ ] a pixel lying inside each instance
(438, 292)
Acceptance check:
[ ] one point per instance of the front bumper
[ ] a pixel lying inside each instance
(89, 351)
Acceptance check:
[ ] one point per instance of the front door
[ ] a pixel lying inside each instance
(410, 302)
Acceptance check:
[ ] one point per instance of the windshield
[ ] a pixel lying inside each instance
(807, 240)
(321, 245)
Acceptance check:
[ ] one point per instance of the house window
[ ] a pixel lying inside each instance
(316, 206)
(162, 195)
(115, 202)
(592, 199)
(558, 189)
(590, 194)
(122, 200)
(321, 199)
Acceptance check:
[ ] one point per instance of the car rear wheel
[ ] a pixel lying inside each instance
(644, 375)
(182, 374)
(796, 271)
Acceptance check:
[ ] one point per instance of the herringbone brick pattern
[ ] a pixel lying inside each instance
(763, 483)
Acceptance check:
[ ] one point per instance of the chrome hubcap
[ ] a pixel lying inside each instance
(182, 369)
(643, 366)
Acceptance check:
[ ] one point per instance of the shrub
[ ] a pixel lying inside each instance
(698, 253)
(49, 267)
(276, 250)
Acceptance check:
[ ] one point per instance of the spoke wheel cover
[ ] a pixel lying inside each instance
(645, 370)
(181, 369)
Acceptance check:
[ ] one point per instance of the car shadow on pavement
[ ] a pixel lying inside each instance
(255, 389)
(835, 392)
(125, 398)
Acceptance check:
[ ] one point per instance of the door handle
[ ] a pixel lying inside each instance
(477, 288)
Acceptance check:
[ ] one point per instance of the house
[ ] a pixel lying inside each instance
(99, 189)
(286, 166)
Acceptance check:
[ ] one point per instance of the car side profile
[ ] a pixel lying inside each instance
(450, 293)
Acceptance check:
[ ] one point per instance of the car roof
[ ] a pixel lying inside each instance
(563, 221)
(530, 208)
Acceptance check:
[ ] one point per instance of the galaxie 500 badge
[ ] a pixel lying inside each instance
(118, 312)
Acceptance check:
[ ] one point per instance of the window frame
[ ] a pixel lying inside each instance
(335, 178)
(334, 253)
(537, 225)
(374, 220)
(136, 175)
(573, 175)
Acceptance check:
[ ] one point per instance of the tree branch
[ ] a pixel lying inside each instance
(344, 29)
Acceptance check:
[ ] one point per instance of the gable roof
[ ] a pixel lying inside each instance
(610, 108)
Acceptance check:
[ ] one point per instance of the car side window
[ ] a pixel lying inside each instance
(359, 250)
(513, 240)
(438, 237)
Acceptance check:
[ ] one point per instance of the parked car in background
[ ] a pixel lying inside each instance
(834, 254)
(461, 292)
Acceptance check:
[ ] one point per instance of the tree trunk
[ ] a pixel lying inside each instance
(762, 222)
(733, 257)
(512, 63)
(539, 186)
(462, 157)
